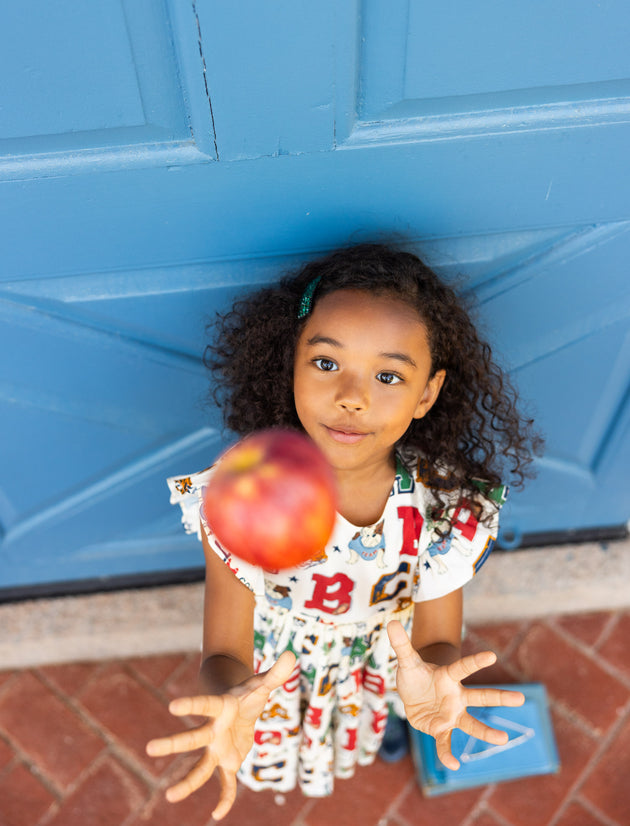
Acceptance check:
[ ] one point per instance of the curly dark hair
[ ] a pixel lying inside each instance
(474, 431)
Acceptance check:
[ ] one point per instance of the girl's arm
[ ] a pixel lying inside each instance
(437, 628)
(233, 697)
(228, 627)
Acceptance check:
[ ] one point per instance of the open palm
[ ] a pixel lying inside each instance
(226, 738)
(435, 700)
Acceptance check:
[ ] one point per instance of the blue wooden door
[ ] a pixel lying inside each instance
(157, 157)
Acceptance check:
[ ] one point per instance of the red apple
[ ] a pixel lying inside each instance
(272, 499)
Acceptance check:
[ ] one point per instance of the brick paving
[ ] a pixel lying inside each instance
(72, 743)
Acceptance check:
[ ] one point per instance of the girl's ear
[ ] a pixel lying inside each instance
(431, 392)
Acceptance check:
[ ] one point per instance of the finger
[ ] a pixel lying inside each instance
(443, 747)
(178, 743)
(199, 775)
(228, 794)
(280, 671)
(493, 697)
(463, 668)
(263, 684)
(206, 705)
(400, 642)
(470, 725)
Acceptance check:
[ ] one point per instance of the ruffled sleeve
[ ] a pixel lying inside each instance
(446, 563)
(187, 492)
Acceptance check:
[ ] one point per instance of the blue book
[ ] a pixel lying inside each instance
(530, 750)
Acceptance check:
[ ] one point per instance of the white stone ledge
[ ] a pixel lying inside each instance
(513, 585)
(566, 579)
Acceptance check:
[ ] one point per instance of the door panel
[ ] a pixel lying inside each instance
(83, 87)
(159, 158)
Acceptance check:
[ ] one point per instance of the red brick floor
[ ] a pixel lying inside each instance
(72, 744)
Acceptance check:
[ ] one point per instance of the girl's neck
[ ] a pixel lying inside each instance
(363, 493)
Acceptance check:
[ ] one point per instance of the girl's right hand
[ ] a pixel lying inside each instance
(228, 735)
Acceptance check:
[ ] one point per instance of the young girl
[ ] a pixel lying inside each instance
(371, 355)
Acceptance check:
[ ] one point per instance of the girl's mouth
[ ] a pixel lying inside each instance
(345, 437)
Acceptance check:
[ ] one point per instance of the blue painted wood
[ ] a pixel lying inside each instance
(526, 46)
(159, 158)
(98, 78)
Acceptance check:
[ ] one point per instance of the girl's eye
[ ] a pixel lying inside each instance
(326, 365)
(388, 378)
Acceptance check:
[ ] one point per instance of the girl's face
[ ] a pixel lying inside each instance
(362, 372)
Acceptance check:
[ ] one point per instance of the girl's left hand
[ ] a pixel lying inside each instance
(435, 700)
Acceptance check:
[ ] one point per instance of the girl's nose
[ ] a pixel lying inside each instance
(352, 396)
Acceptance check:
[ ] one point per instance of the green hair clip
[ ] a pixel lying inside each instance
(307, 297)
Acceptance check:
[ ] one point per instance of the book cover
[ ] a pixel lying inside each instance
(530, 750)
